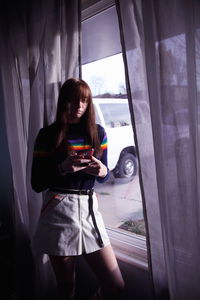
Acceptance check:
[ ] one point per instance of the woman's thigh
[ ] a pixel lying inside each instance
(64, 267)
(103, 262)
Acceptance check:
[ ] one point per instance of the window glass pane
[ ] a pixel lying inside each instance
(119, 198)
(106, 77)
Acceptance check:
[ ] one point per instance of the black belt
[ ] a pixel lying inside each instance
(94, 220)
(70, 191)
(91, 211)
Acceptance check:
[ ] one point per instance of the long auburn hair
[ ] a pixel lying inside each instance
(70, 91)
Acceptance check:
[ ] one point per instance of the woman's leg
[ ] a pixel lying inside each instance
(104, 264)
(64, 269)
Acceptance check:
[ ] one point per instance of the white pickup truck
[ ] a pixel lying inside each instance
(114, 116)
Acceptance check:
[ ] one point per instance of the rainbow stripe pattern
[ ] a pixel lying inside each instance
(75, 145)
(78, 144)
(104, 143)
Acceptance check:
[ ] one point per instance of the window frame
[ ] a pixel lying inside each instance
(96, 8)
(128, 247)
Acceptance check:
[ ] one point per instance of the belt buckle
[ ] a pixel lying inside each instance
(90, 192)
(81, 192)
(85, 192)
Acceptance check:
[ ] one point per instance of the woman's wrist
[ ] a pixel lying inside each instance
(103, 171)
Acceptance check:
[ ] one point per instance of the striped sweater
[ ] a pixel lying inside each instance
(45, 172)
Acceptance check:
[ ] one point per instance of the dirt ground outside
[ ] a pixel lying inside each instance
(120, 203)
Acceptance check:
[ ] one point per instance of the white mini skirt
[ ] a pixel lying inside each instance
(66, 226)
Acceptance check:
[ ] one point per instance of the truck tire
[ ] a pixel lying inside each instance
(127, 166)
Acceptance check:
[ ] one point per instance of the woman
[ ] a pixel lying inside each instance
(70, 223)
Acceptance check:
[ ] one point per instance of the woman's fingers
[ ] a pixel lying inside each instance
(73, 164)
(94, 159)
(91, 166)
(96, 168)
(79, 161)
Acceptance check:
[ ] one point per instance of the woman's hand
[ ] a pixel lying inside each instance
(96, 168)
(73, 163)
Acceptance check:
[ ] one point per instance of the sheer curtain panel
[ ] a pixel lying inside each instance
(161, 45)
(39, 49)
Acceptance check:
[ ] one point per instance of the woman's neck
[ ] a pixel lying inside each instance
(74, 121)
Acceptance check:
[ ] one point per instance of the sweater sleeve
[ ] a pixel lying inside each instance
(104, 148)
(44, 165)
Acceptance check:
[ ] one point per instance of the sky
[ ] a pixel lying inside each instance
(105, 75)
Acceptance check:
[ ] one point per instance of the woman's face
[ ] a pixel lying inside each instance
(76, 109)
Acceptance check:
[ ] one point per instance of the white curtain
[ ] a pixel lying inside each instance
(39, 49)
(161, 47)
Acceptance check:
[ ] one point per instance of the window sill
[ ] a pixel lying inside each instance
(130, 248)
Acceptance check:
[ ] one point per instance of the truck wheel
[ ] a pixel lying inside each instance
(127, 166)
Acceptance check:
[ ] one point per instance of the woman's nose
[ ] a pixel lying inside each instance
(79, 104)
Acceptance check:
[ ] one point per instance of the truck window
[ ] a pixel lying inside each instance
(116, 114)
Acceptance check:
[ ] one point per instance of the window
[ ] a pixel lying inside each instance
(120, 198)
(116, 115)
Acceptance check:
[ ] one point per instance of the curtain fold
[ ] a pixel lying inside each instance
(160, 42)
(39, 50)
